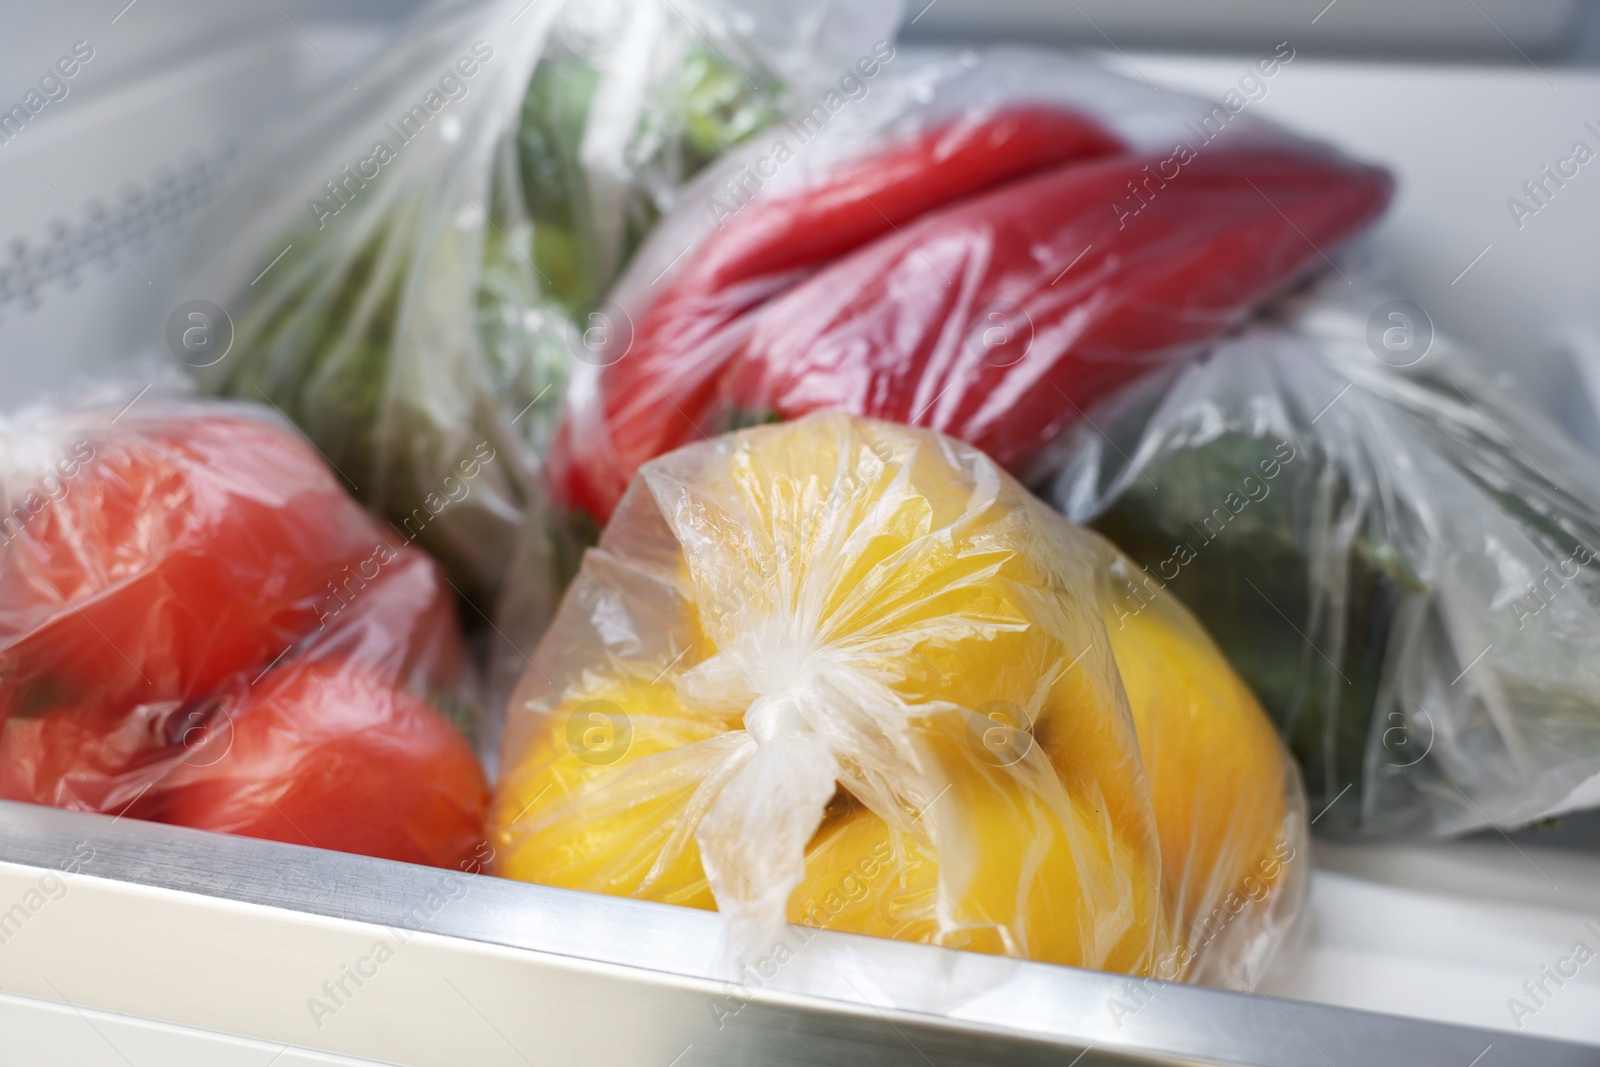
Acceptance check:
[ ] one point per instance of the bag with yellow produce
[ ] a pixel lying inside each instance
(1394, 553)
(849, 674)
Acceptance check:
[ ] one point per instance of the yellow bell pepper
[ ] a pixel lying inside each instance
(1032, 754)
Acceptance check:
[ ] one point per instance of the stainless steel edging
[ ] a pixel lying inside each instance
(835, 999)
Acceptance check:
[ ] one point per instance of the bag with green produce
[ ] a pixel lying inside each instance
(1395, 554)
(410, 268)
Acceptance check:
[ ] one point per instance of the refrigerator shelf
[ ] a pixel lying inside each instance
(281, 943)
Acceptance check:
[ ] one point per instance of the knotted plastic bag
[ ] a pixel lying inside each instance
(850, 674)
(1395, 554)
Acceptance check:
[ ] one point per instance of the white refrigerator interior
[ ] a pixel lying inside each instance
(93, 201)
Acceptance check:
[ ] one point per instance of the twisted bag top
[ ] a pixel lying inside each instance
(843, 652)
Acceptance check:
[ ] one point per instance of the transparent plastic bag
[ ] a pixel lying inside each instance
(851, 675)
(403, 265)
(973, 242)
(198, 625)
(1393, 552)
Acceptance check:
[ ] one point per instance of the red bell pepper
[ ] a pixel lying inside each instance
(681, 345)
(986, 306)
(998, 320)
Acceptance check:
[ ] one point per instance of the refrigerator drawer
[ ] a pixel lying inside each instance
(291, 946)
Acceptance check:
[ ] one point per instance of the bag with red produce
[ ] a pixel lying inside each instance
(979, 243)
(199, 625)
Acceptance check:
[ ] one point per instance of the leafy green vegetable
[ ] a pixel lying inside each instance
(398, 414)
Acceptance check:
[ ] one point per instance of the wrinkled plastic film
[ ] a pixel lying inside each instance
(446, 233)
(850, 675)
(198, 625)
(1424, 535)
(974, 242)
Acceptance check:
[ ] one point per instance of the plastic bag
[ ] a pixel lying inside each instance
(850, 674)
(198, 625)
(400, 265)
(1392, 552)
(974, 242)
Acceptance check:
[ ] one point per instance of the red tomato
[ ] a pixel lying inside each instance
(182, 548)
(394, 613)
(69, 759)
(328, 753)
